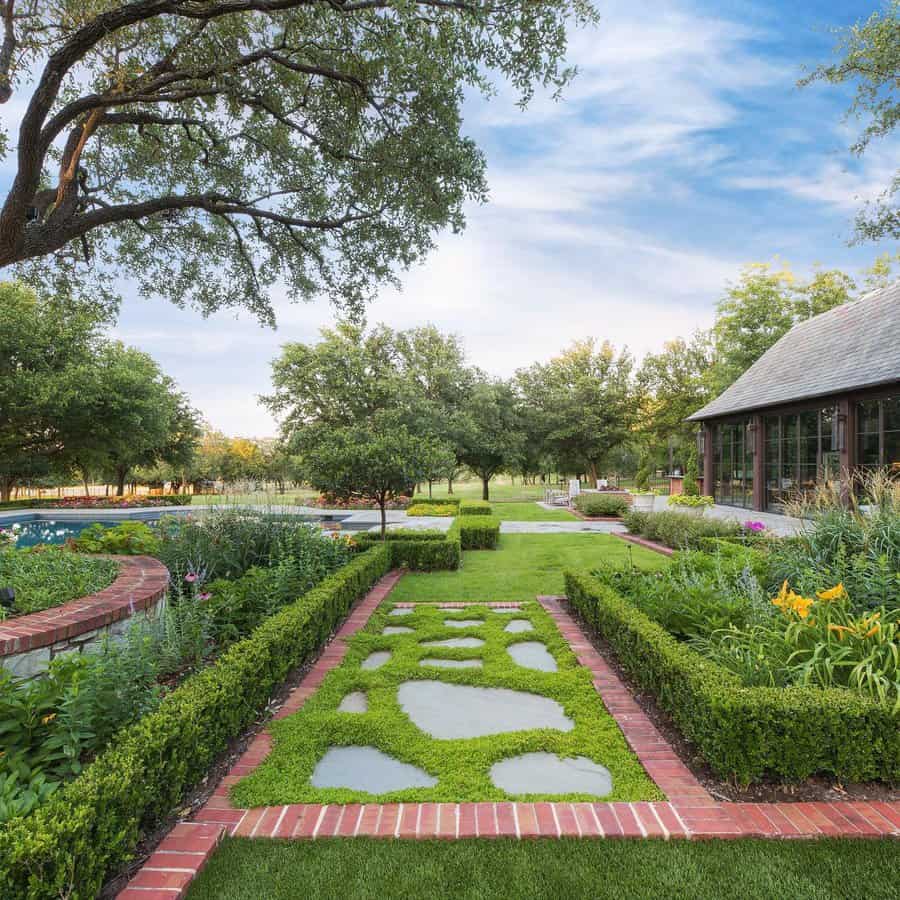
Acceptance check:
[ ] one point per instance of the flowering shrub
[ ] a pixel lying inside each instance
(130, 501)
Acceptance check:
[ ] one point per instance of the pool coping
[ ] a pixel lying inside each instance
(689, 813)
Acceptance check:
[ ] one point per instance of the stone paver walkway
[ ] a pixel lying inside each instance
(689, 812)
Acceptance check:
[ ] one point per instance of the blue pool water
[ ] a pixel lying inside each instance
(34, 530)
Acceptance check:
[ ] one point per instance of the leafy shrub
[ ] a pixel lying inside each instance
(479, 532)
(48, 576)
(691, 501)
(743, 732)
(601, 504)
(128, 538)
(436, 501)
(431, 509)
(91, 825)
(680, 531)
(475, 508)
(690, 485)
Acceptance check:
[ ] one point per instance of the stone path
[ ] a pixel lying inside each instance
(689, 812)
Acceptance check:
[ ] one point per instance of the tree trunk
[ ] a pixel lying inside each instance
(594, 475)
(381, 505)
(429, 488)
(120, 481)
(6, 486)
(485, 494)
(450, 485)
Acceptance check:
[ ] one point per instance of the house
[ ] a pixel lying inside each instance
(820, 403)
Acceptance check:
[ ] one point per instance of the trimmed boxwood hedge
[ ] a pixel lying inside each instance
(744, 732)
(91, 826)
(479, 532)
(475, 508)
(423, 551)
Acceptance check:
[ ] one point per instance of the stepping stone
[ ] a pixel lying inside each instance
(376, 660)
(452, 663)
(449, 711)
(463, 623)
(546, 773)
(356, 702)
(397, 629)
(455, 642)
(367, 769)
(517, 625)
(532, 655)
(401, 611)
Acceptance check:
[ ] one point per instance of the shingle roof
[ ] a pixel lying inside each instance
(852, 346)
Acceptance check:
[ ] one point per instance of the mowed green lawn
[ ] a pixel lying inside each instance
(523, 566)
(248, 869)
(529, 511)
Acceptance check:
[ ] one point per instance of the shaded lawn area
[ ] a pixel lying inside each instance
(523, 566)
(529, 511)
(247, 869)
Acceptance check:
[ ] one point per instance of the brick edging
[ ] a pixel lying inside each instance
(688, 813)
(643, 542)
(141, 583)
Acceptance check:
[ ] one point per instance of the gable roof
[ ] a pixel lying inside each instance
(852, 346)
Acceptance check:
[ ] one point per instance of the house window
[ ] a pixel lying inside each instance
(878, 433)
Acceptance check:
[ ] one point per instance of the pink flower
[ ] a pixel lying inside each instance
(204, 596)
(191, 577)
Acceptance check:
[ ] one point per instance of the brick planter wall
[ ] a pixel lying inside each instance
(28, 643)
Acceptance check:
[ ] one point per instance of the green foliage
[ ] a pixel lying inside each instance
(691, 501)
(479, 532)
(601, 504)
(689, 486)
(870, 58)
(431, 509)
(128, 538)
(424, 551)
(51, 576)
(680, 531)
(461, 766)
(475, 508)
(436, 501)
(91, 826)
(743, 732)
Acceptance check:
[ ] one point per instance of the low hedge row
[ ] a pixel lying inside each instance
(430, 509)
(743, 732)
(436, 501)
(602, 504)
(479, 532)
(475, 508)
(422, 551)
(91, 826)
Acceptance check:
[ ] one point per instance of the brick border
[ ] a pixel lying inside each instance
(688, 813)
(141, 583)
(643, 542)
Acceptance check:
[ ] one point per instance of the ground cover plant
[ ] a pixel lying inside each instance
(129, 538)
(91, 825)
(522, 567)
(246, 869)
(460, 765)
(50, 576)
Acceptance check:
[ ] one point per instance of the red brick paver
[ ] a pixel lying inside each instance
(688, 813)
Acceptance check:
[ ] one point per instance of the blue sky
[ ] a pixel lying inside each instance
(683, 150)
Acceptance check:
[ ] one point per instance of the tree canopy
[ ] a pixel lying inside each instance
(870, 60)
(209, 148)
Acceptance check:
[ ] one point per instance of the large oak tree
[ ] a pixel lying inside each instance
(209, 148)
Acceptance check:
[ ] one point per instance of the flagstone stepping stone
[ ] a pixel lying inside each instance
(449, 711)
(367, 769)
(376, 660)
(532, 655)
(452, 663)
(517, 625)
(397, 629)
(356, 702)
(455, 642)
(546, 773)
(463, 623)
(401, 611)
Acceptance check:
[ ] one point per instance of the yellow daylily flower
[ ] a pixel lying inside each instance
(836, 593)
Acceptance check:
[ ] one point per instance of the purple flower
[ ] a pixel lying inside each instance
(191, 577)
(204, 596)
(755, 526)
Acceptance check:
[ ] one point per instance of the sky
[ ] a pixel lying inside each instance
(682, 151)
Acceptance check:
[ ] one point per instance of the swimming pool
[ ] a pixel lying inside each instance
(42, 529)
